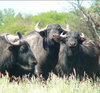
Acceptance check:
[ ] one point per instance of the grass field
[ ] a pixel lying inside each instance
(53, 85)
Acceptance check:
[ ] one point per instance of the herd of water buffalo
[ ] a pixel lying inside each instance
(49, 49)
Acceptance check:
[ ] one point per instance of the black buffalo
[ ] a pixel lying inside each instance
(16, 57)
(75, 53)
(44, 47)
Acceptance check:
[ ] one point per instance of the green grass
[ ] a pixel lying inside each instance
(53, 85)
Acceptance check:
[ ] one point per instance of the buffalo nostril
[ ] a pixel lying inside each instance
(32, 61)
(35, 62)
(72, 44)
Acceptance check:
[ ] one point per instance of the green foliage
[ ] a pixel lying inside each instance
(96, 6)
(11, 23)
(26, 24)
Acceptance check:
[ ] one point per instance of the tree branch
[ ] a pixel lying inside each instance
(89, 18)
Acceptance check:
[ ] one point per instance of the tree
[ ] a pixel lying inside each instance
(89, 18)
(9, 12)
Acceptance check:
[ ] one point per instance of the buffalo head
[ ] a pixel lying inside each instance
(24, 57)
(49, 31)
(71, 39)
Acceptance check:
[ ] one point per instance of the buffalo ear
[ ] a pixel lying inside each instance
(81, 40)
(19, 35)
(11, 47)
(43, 34)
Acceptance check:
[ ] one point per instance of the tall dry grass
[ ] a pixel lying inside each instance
(54, 84)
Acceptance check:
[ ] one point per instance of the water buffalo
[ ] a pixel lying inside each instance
(44, 47)
(16, 57)
(79, 54)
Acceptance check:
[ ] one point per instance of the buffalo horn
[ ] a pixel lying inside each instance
(82, 35)
(63, 35)
(12, 43)
(67, 28)
(39, 30)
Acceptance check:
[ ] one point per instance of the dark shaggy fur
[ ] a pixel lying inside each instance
(80, 55)
(45, 49)
(13, 57)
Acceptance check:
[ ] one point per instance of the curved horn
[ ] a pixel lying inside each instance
(82, 35)
(39, 30)
(63, 35)
(67, 28)
(12, 43)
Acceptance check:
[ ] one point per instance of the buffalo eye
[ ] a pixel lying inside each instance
(60, 30)
(23, 49)
(10, 48)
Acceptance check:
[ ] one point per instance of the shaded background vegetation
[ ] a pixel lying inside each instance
(9, 22)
